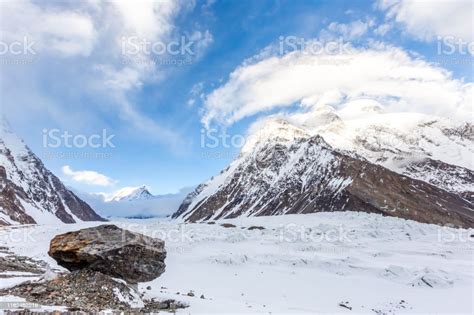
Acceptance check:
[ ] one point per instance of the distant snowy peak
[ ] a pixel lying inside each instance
(131, 194)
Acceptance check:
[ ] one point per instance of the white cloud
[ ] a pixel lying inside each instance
(202, 40)
(352, 30)
(196, 94)
(150, 19)
(383, 29)
(384, 73)
(427, 19)
(66, 32)
(88, 177)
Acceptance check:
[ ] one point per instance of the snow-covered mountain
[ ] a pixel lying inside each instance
(30, 193)
(359, 158)
(426, 147)
(144, 207)
(131, 194)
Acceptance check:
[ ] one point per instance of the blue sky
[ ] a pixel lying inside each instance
(78, 82)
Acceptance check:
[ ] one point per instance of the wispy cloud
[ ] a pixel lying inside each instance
(86, 38)
(350, 31)
(88, 177)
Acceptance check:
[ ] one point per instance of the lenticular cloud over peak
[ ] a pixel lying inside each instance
(388, 75)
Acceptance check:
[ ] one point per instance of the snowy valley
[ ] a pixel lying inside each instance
(366, 262)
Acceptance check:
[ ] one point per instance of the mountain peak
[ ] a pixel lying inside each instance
(131, 194)
(275, 129)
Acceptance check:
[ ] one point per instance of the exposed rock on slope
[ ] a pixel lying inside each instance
(300, 174)
(450, 177)
(30, 193)
(425, 147)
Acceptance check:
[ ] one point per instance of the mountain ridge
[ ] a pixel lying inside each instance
(267, 179)
(29, 192)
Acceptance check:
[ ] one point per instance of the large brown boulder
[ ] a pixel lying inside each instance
(111, 250)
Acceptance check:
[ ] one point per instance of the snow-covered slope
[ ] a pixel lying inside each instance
(331, 160)
(131, 194)
(29, 193)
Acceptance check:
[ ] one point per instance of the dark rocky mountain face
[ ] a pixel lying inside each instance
(30, 193)
(10, 205)
(307, 175)
(452, 178)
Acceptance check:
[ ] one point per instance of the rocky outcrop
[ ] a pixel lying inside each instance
(89, 291)
(307, 175)
(112, 251)
(12, 265)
